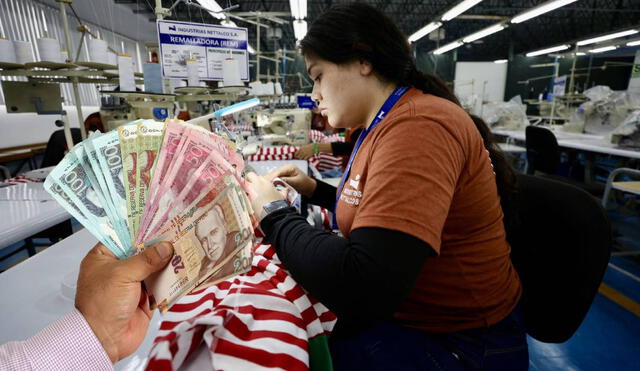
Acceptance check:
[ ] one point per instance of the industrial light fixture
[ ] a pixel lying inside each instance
(424, 31)
(607, 37)
(213, 8)
(298, 8)
(541, 9)
(299, 29)
(483, 33)
(447, 47)
(580, 54)
(250, 49)
(548, 50)
(633, 43)
(500, 61)
(459, 9)
(603, 49)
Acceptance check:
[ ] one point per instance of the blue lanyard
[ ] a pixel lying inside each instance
(386, 107)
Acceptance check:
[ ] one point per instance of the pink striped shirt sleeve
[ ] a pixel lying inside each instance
(67, 344)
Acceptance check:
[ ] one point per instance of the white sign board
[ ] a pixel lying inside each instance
(559, 86)
(208, 44)
(634, 81)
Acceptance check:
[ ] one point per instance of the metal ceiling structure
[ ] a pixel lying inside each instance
(575, 21)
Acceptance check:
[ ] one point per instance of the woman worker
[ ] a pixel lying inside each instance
(422, 278)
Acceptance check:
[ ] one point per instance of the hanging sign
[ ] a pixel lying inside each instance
(559, 86)
(208, 44)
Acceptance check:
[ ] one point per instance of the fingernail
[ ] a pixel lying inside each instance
(163, 249)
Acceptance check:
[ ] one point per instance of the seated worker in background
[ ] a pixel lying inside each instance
(422, 279)
(109, 322)
(335, 148)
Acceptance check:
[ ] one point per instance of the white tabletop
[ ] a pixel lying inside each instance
(27, 212)
(583, 142)
(34, 294)
(264, 167)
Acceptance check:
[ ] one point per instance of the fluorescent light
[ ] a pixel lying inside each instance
(298, 8)
(580, 54)
(633, 43)
(212, 6)
(424, 31)
(603, 49)
(548, 50)
(482, 33)
(250, 49)
(500, 61)
(539, 10)
(459, 9)
(299, 29)
(447, 47)
(607, 37)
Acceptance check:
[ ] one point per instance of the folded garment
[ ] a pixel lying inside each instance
(258, 320)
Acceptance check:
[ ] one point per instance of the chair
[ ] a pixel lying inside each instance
(626, 186)
(560, 246)
(57, 146)
(543, 156)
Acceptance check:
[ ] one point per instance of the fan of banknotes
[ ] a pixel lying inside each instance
(153, 181)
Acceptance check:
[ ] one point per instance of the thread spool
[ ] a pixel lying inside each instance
(49, 49)
(193, 73)
(231, 72)
(98, 51)
(278, 88)
(24, 51)
(7, 54)
(112, 58)
(256, 88)
(270, 88)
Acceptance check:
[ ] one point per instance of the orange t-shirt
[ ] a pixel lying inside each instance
(424, 171)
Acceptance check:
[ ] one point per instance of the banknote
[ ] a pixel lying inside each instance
(71, 177)
(81, 152)
(212, 168)
(171, 142)
(107, 149)
(206, 236)
(128, 139)
(148, 144)
(193, 153)
(65, 201)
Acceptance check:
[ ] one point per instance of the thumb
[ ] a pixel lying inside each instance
(151, 260)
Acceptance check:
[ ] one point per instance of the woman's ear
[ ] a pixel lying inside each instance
(366, 68)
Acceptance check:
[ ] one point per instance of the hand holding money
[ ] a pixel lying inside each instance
(152, 181)
(111, 299)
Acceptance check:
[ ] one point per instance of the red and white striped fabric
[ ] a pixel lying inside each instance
(274, 153)
(255, 321)
(321, 161)
(317, 136)
(236, 127)
(22, 179)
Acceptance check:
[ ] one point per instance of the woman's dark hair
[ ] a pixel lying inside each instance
(358, 31)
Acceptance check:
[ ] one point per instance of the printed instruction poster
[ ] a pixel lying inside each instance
(208, 44)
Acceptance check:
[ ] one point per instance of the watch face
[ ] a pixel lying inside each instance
(275, 205)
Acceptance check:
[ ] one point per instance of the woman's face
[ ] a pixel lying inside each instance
(340, 91)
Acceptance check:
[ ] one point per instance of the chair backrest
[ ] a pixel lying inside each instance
(543, 153)
(560, 245)
(57, 145)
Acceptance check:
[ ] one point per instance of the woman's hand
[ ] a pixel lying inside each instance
(111, 299)
(264, 190)
(300, 181)
(305, 152)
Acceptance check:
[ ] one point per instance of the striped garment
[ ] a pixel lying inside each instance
(321, 161)
(255, 321)
(317, 136)
(22, 179)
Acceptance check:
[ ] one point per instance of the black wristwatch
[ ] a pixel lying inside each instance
(273, 206)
